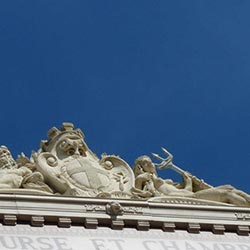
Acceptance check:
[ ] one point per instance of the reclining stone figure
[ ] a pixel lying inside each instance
(147, 181)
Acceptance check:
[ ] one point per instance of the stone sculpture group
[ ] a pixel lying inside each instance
(64, 165)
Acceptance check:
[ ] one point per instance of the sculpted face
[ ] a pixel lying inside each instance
(148, 165)
(144, 163)
(71, 146)
(6, 159)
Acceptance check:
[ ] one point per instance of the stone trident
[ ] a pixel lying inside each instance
(168, 163)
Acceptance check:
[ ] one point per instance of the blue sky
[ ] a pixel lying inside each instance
(134, 76)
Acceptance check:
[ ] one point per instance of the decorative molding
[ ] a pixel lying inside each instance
(94, 208)
(133, 210)
(89, 212)
(242, 216)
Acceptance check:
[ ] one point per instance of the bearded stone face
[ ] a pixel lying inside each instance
(70, 146)
(6, 159)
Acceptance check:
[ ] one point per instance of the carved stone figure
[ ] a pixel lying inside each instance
(34, 180)
(13, 176)
(71, 168)
(10, 175)
(161, 187)
(148, 184)
(144, 186)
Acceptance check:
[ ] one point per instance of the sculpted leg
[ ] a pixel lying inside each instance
(10, 181)
(236, 199)
(221, 195)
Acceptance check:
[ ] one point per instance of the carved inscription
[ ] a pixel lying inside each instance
(76, 243)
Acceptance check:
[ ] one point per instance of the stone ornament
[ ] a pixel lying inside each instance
(64, 165)
(114, 208)
(71, 168)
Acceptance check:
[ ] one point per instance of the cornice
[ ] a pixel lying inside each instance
(40, 210)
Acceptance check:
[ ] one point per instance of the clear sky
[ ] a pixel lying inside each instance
(134, 76)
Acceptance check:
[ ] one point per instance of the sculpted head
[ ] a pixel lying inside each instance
(65, 142)
(144, 164)
(6, 159)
